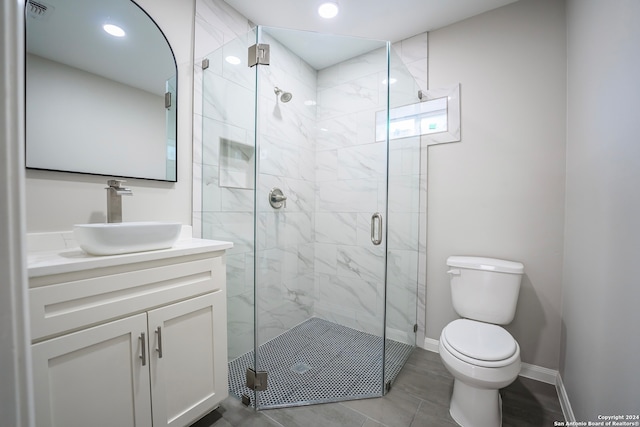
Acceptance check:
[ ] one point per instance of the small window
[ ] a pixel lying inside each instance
(418, 119)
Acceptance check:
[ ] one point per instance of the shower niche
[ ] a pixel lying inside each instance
(237, 168)
(313, 304)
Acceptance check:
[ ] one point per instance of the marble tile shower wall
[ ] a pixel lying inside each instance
(314, 255)
(225, 213)
(227, 187)
(351, 186)
(351, 170)
(285, 237)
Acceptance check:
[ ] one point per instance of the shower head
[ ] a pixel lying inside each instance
(284, 96)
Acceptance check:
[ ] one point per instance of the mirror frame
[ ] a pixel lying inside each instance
(174, 133)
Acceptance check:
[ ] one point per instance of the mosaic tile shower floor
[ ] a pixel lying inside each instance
(319, 361)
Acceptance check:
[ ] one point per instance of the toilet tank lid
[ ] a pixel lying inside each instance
(487, 264)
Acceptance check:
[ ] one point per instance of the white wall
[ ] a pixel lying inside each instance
(500, 191)
(601, 292)
(56, 200)
(16, 390)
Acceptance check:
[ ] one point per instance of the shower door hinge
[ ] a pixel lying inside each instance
(167, 100)
(256, 380)
(205, 63)
(415, 328)
(246, 400)
(259, 54)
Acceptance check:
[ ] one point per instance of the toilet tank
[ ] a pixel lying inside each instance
(485, 289)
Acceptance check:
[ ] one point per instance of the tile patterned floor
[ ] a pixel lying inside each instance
(319, 361)
(419, 398)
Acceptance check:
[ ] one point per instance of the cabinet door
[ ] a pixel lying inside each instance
(188, 344)
(93, 377)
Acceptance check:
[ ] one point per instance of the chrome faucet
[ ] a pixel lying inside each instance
(114, 200)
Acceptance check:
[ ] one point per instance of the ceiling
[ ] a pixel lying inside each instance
(57, 34)
(391, 20)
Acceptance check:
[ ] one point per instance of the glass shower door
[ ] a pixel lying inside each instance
(298, 172)
(228, 154)
(406, 214)
(320, 254)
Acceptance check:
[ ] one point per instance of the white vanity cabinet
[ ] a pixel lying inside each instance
(185, 381)
(93, 377)
(141, 342)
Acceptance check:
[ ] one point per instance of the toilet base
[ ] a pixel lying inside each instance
(475, 407)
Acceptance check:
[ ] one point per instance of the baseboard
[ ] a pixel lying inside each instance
(567, 411)
(534, 372)
(431, 345)
(539, 373)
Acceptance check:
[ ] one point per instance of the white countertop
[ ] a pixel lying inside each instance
(66, 260)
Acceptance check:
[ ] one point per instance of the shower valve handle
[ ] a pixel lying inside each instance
(277, 199)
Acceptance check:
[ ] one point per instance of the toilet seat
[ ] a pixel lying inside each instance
(479, 343)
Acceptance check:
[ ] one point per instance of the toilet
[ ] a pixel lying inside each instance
(481, 355)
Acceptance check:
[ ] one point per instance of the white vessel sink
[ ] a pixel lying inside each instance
(126, 237)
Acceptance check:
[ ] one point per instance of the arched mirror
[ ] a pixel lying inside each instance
(101, 83)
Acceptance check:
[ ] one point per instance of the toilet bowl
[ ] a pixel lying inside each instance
(480, 369)
(481, 355)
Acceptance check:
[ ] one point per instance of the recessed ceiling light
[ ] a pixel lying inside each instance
(114, 30)
(328, 9)
(233, 60)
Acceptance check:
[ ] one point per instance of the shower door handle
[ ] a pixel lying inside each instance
(376, 228)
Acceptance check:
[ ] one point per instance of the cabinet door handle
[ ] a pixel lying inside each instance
(143, 345)
(159, 348)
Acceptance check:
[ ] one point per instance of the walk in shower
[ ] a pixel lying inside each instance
(323, 208)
